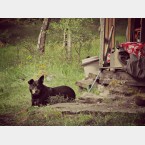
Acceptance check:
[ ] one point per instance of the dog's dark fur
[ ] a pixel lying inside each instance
(41, 93)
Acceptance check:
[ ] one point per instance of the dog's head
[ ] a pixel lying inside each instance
(36, 86)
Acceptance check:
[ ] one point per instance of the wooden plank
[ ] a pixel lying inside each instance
(110, 27)
(113, 35)
(106, 36)
(102, 35)
(84, 83)
(109, 36)
(129, 30)
(143, 30)
(109, 41)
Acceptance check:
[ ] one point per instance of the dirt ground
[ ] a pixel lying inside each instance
(109, 100)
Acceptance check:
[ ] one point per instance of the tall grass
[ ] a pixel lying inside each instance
(20, 62)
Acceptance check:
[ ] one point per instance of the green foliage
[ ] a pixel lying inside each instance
(80, 28)
(83, 32)
(20, 62)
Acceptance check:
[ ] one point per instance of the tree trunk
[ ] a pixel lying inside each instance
(65, 39)
(42, 35)
(69, 45)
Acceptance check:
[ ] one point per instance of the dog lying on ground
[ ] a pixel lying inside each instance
(41, 94)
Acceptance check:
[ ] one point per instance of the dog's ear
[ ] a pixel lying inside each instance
(41, 79)
(30, 81)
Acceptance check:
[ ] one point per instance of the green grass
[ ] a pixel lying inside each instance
(20, 62)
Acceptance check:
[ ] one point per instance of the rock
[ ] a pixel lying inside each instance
(140, 101)
(90, 98)
(105, 93)
(100, 88)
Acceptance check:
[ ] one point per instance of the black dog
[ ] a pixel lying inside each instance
(41, 93)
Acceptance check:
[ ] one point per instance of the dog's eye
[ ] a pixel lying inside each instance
(33, 86)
